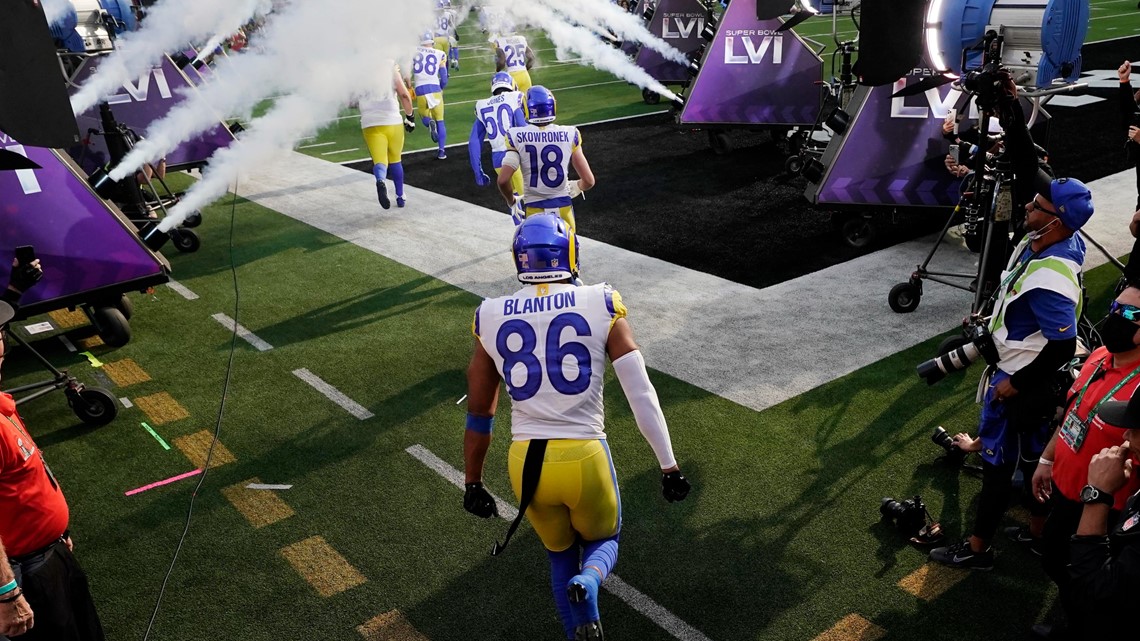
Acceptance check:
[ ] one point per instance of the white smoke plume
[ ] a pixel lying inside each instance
(55, 10)
(568, 37)
(211, 45)
(602, 16)
(170, 25)
(345, 45)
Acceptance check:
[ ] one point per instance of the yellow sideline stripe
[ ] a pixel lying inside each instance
(67, 319)
(852, 628)
(125, 372)
(932, 580)
(196, 445)
(259, 507)
(390, 626)
(322, 566)
(161, 408)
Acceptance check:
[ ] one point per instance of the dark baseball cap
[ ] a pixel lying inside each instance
(1123, 414)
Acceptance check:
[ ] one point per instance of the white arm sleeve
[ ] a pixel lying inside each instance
(630, 370)
(511, 159)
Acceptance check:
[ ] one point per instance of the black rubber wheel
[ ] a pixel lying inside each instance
(185, 241)
(650, 97)
(125, 306)
(951, 343)
(718, 140)
(973, 242)
(794, 164)
(858, 232)
(193, 219)
(112, 325)
(904, 297)
(94, 406)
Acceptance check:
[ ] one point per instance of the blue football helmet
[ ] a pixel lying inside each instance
(427, 37)
(541, 108)
(545, 250)
(502, 80)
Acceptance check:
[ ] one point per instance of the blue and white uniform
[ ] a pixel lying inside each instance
(542, 153)
(494, 118)
(514, 48)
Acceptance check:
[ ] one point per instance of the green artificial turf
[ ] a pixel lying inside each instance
(779, 540)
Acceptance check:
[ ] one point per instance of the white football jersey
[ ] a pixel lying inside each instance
(426, 64)
(445, 23)
(381, 107)
(544, 159)
(548, 342)
(497, 114)
(514, 49)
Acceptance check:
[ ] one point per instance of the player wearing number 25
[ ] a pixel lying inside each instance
(544, 153)
(548, 343)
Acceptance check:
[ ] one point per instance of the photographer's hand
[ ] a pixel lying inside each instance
(1134, 133)
(1004, 390)
(1124, 71)
(964, 442)
(1110, 469)
(1043, 482)
(24, 276)
(948, 124)
(1134, 226)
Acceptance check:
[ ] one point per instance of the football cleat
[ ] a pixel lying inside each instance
(382, 194)
(400, 201)
(583, 593)
(442, 155)
(433, 130)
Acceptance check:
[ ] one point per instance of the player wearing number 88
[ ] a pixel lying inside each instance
(548, 343)
(494, 117)
(429, 77)
(544, 153)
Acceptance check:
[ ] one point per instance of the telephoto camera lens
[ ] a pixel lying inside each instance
(955, 360)
(943, 439)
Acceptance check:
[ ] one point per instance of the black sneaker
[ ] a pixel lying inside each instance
(382, 194)
(589, 632)
(1020, 534)
(960, 555)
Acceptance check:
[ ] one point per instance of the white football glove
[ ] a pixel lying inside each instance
(575, 190)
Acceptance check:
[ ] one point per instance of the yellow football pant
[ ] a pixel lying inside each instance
(385, 143)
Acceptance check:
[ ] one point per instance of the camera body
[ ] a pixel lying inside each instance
(908, 515)
(980, 343)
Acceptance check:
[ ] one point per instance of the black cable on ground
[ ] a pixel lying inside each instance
(217, 424)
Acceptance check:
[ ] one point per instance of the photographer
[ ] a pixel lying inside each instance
(1106, 570)
(1110, 373)
(1033, 330)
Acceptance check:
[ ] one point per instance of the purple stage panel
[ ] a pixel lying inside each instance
(87, 248)
(753, 75)
(141, 103)
(679, 23)
(893, 152)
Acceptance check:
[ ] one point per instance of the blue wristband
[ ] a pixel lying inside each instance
(5, 589)
(480, 424)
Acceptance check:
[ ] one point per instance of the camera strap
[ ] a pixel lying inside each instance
(532, 469)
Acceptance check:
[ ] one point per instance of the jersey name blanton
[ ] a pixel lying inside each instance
(557, 300)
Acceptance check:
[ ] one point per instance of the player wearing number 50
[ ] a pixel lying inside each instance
(493, 118)
(429, 77)
(548, 343)
(544, 153)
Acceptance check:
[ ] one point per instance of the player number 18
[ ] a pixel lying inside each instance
(551, 161)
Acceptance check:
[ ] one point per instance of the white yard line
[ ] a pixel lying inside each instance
(333, 394)
(247, 335)
(632, 597)
(182, 290)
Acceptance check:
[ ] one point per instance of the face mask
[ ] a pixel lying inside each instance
(1119, 334)
(1034, 235)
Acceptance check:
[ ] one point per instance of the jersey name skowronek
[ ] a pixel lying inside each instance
(544, 159)
(549, 346)
(497, 115)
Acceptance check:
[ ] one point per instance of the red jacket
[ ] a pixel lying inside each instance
(33, 512)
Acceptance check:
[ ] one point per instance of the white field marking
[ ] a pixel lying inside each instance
(126, 402)
(67, 343)
(340, 151)
(182, 289)
(333, 394)
(267, 486)
(460, 399)
(249, 336)
(632, 597)
(318, 144)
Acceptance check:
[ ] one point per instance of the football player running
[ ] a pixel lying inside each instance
(446, 32)
(544, 153)
(429, 77)
(559, 461)
(383, 129)
(494, 117)
(513, 55)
